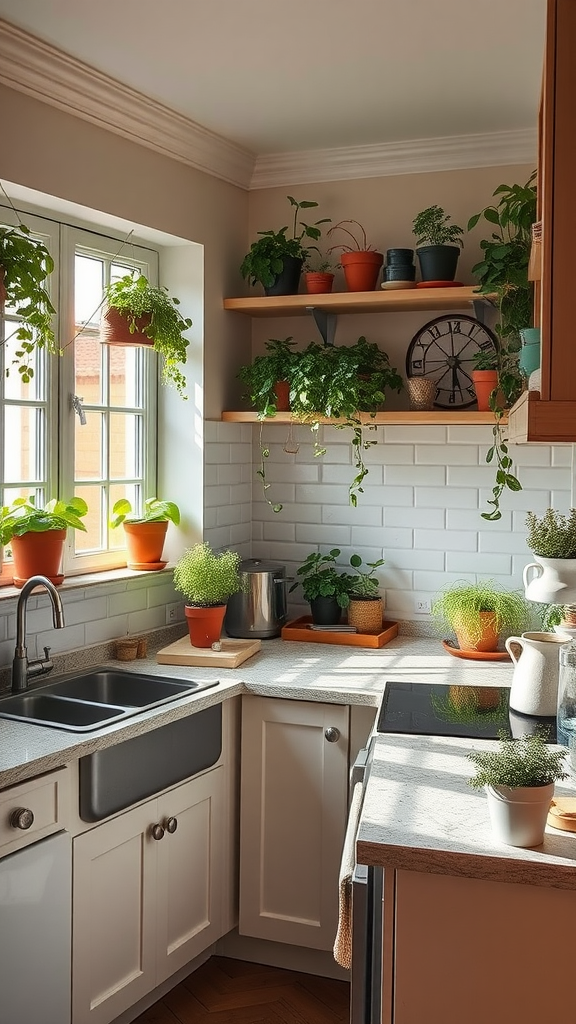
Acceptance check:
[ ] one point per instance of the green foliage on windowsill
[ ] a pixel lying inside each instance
(24, 516)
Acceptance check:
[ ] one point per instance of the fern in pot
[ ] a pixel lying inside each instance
(551, 577)
(206, 580)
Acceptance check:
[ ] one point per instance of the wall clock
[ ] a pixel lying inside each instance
(443, 350)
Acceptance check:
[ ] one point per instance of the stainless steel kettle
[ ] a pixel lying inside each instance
(258, 610)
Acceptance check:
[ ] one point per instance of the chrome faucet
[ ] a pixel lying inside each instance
(22, 669)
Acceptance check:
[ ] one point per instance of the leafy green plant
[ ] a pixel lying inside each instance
(319, 577)
(458, 606)
(27, 264)
(431, 227)
(265, 260)
(553, 535)
(365, 583)
(262, 375)
(24, 516)
(205, 578)
(134, 297)
(526, 761)
(318, 265)
(358, 239)
(154, 511)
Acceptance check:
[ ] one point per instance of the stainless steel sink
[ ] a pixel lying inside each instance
(98, 697)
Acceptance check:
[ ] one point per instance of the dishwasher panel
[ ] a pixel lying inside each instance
(35, 933)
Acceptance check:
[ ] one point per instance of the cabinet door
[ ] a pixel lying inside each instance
(189, 910)
(113, 916)
(293, 817)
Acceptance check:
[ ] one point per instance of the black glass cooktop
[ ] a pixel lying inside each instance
(437, 709)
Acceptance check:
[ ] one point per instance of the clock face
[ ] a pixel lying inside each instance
(443, 350)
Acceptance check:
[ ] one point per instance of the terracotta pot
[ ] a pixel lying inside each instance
(486, 641)
(366, 614)
(317, 281)
(38, 554)
(361, 270)
(474, 698)
(204, 624)
(115, 330)
(484, 383)
(282, 392)
(145, 542)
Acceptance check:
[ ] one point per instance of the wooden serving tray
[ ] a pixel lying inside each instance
(233, 653)
(298, 630)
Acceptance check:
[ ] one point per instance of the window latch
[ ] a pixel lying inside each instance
(79, 409)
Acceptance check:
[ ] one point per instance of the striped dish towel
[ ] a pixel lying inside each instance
(343, 941)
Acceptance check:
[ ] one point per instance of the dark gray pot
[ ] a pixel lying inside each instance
(325, 611)
(288, 281)
(438, 262)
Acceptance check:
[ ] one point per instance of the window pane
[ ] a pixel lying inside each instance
(117, 539)
(124, 375)
(125, 434)
(24, 461)
(89, 445)
(95, 537)
(88, 371)
(13, 387)
(88, 287)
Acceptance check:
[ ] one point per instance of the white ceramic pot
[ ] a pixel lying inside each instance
(550, 580)
(534, 689)
(518, 815)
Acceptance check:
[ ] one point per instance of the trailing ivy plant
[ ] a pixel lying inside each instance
(27, 265)
(264, 372)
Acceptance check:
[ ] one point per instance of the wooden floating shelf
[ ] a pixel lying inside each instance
(380, 419)
(399, 301)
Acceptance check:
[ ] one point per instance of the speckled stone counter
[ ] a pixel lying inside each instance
(420, 814)
(299, 671)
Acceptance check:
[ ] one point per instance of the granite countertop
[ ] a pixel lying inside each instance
(420, 814)
(292, 669)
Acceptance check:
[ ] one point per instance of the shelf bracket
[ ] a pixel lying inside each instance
(481, 307)
(325, 322)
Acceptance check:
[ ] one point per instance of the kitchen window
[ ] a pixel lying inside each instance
(86, 423)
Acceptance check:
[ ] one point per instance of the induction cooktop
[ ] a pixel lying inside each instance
(438, 709)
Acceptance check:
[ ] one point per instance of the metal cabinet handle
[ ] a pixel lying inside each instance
(22, 817)
(332, 734)
(157, 832)
(171, 824)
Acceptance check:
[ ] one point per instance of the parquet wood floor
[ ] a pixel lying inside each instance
(225, 991)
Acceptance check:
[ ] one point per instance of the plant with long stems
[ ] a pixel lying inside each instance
(359, 244)
(265, 260)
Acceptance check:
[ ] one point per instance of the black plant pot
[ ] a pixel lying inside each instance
(288, 280)
(402, 257)
(325, 611)
(438, 262)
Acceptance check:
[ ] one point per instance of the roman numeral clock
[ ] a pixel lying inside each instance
(443, 350)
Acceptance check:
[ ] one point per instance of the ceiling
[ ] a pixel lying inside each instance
(276, 77)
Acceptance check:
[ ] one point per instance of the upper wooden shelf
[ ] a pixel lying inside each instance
(440, 417)
(402, 300)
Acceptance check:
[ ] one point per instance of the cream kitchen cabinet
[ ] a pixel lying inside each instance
(294, 792)
(147, 896)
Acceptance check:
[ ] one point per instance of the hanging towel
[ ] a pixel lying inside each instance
(343, 941)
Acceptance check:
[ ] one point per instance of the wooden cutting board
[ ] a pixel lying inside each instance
(233, 653)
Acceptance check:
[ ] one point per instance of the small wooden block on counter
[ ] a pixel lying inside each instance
(298, 630)
(233, 653)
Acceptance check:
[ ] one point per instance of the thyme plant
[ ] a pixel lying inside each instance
(553, 535)
(527, 761)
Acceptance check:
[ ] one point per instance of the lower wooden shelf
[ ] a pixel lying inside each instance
(442, 418)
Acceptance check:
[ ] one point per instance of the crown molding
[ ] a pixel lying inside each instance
(413, 157)
(31, 66)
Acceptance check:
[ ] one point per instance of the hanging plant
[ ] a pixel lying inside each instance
(26, 265)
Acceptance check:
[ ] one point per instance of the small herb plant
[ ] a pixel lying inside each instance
(319, 265)
(319, 577)
(458, 606)
(134, 297)
(358, 241)
(365, 586)
(526, 761)
(264, 372)
(27, 264)
(431, 227)
(265, 260)
(155, 511)
(24, 516)
(207, 579)
(553, 535)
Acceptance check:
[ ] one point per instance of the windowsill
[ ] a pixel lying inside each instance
(92, 579)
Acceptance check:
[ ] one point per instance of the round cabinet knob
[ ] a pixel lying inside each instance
(157, 832)
(332, 734)
(22, 818)
(171, 824)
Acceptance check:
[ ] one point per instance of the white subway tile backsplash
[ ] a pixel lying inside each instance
(493, 541)
(563, 455)
(331, 474)
(471, 476)
(58, 640)
(318, 535)
(432, 582)
(441, 540)
(396, 578)
(446, 455)
(216, 496)
(292, 473)
(226, 474)
(399, 497)
(425, 517)
(86, 611)
(151, 618)
(411, 559)
(469, 434)
(390, 538)
(240, 494)
(417, 435)
(392, 454)
(320, 493)
(227, 515)
(363, 515)
(557, 478)
(217, 454)
(280, 530)
(417, 476)
(445, 497)
(106, 629)
(531, 455)
(482, 563)
(465, 519)
(291, 513)
(129, 601)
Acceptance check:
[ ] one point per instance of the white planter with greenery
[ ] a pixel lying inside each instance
(551, 577)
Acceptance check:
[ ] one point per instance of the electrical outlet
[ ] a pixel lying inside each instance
(422, 605)
(172, 613)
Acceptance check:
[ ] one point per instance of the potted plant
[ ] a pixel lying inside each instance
(478, 614)
(318, 275)
(25, 265)
(366, 606)
(519, 778)
(268, 377)
(551, 578)
(360, 262)
(36, 535)
(145, 534)
(206, 580)
(438, 244)
(324, 586)
(137, 313)
(275, 260)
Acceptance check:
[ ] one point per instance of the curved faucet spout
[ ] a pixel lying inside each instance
(21, 667)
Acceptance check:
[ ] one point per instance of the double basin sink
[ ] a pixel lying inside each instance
(95, 698)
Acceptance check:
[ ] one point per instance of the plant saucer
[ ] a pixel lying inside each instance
(475, 655)
(440, 284)
(147, 566)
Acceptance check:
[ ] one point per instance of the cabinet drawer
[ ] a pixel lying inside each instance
(48, 800)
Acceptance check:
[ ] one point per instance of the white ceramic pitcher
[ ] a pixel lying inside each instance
(534, 689)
